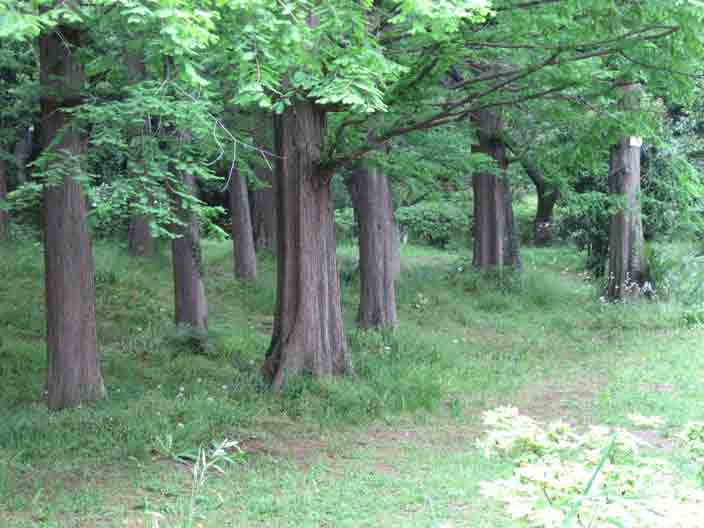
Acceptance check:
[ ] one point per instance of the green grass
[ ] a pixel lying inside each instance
(391, 447)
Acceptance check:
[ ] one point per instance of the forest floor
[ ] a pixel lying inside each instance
(393, 447)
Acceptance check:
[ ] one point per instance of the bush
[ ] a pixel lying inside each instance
(345, 225)
(436, 222)
(600, 478)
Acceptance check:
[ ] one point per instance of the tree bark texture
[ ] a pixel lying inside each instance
(626, 257)
(242, 237)
(191, 307)
(308, 336)
(140, 241)
(495, 233)
(378, 247)
(263, 200)
(547, 198)
(23, 153)
(74, 374)
(4, 215)
(264, 211)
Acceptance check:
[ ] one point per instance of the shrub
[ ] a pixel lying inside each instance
(435, 222)
(345, 225)
(600, 478)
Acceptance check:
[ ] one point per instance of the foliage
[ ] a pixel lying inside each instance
(345, 224)
(598, 478)
(436, 222)
(678, 273)
(692, 437)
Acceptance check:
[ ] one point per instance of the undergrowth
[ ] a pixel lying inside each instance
(465, 339)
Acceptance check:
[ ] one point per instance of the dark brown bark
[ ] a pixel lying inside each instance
(495, 234)
(242, 237)
(140, 241)
(626, 257)
(264, 211)
(23, 152)
(74, 374)
(4, 215)
(378, 247)
(547, 198)
(191, 307)
(308, 336)
(263, 199)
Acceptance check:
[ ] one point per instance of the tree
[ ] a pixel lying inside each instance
(74, 374)
(495, 237)
(626, 244)
(379, 260)
(547, 190)
(190, 305)
(140, 241)
(315, 72)
(242, 236)
(263, 210)
(384, 67)
(308, 334)
(263, 196)
(4, 215)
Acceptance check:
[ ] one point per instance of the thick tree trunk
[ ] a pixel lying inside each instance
(140, 241)
(495, 234)
(378, 247)
(308, 332)
(264, 211)
(74, 369)
(547, 198)
(626, 257)
(242, 237)
(191, 307)
(4, 215)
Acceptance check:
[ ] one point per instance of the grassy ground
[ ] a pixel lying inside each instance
(393, 447)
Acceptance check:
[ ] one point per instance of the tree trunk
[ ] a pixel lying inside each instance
(140, 242)
(23, 153)
(4, 215)
(626, 257)
(495, 234)
(242, 237)
(263, 200)
(308, 334)
(264, 211)
(547, 198)
(74, 374)
(378, 247)
(191, 307)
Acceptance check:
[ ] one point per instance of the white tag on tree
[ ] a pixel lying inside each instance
(635, 141)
